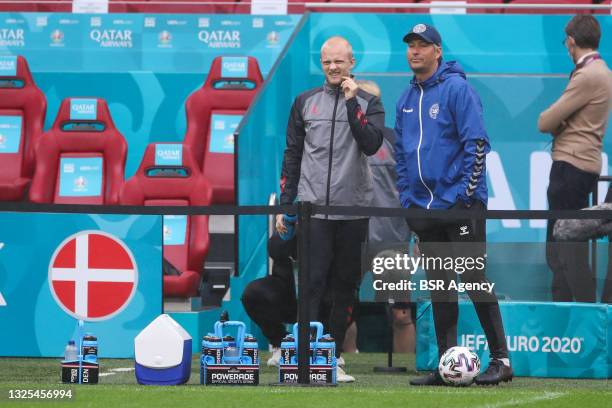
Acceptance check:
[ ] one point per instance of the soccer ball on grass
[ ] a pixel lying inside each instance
(459, 366)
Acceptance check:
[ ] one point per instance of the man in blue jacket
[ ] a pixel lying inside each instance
(441, 146)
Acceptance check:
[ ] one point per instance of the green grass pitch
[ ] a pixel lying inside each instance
(118, 389)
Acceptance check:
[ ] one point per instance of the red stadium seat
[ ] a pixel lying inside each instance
(184, 6)
(18, 6)
(81, 159)
(367, 9)
(297, 6)
(59, 6)
(486, 10)
(22, 116)
(213, 111)
(549, 10)
(167, 178)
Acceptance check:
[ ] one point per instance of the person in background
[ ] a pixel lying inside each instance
(387, 229)
(271, 301)
(577, 122)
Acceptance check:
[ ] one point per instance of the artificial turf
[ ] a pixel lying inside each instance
(119, 389)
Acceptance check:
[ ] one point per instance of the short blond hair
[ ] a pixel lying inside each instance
(338, 40)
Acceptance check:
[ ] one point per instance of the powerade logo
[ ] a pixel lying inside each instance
(168, 154)
(315, 377)
(112, 38)
(220, 38)
(234, 67)
(233, 377)
(8, 66)
(12, 37)
(83, 109)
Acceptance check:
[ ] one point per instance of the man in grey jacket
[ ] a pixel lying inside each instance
(331, 131)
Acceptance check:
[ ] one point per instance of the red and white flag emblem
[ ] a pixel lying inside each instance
(93, 275)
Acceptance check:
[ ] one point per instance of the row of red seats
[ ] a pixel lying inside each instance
(136, 6)
(221, 95)
(476, 10)
(294, 6)
(81, 158)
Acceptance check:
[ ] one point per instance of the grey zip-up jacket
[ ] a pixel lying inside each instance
(328, 139)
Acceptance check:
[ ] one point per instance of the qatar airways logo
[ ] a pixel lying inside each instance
(220, 38)
(112, 38)
(10, 37)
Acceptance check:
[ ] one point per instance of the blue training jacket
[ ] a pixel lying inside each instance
(441, 142)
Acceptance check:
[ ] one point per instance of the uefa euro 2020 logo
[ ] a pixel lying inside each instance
(165, 38)
(273, 38)
(80, 183)
(57, 37)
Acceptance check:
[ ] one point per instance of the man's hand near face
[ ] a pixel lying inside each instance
(349, 87)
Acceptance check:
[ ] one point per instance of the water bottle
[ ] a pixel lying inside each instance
(231, 352)
(326, 351)
(289, 221)
(212, 349)
(89, 348)
(288, 350)
(70, 352)
(250, 351)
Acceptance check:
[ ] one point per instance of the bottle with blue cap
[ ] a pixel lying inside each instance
(289, 221)
(288, 350)
(212, 349)
(250, 350)
(231, 350)
(70, 352)
(325, 351)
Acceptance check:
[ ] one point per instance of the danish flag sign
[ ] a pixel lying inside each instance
(93, 275)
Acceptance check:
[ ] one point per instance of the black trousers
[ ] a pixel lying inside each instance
(271, 302)
(467, 238)
(335, 262)
(573, 280)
